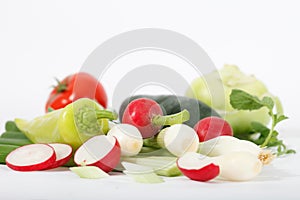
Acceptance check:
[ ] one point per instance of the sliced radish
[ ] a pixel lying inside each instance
(129, 138)
(31, 157)
(179, 139)
(63, 154)
(101, 151)
(197, 168)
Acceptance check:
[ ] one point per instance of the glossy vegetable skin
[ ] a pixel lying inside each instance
(72, 125)
(73, 87)
(172, 104)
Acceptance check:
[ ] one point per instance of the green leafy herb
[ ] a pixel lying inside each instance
(242, 100)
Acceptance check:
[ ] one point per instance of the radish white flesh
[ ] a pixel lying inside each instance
(63, 154)
(31, 157)
(129, 138)
(234, 166)
(227, 144)
(101, 151)
(179, 139)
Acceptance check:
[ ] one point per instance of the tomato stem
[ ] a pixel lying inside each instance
(177, 118)
(60, 87)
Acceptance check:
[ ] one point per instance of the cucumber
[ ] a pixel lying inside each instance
(172, 104)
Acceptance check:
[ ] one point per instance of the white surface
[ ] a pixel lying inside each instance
(40, 40)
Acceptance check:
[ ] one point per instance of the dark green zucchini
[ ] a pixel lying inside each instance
(172, 104)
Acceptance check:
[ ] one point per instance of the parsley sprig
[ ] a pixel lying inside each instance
(268, 137)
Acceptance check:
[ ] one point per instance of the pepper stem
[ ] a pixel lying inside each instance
(177, 118)
(111, 115)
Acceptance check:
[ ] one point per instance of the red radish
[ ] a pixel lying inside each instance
(212, 127)
(31, 157)
(147, 116)
(101, 151)
(63, 154)
(196, 169)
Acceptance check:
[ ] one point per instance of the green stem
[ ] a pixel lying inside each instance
(111, 115)
(177, 118)
(267, 140)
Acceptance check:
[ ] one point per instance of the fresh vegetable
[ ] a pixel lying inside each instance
(147, 116)
(235, 166)
(5, 149)
(89, 172)
(82, 120)
(10, 140)
(10, 126)
(242, 100)
(101, 151)
(63, 154)
(172, 104)
(178, 139)
(73, 125)
(196, 169)
(141, 174)
(227, 144)
(31, 157)
(74, 87)
(161, 165)
(129, 138)
(13, 135)
(13, 141)
(215, 88)
(212, 127)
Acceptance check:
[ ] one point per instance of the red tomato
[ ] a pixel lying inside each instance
(73, 87)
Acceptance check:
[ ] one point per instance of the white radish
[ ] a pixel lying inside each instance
(31, 157)
(129, 138)
(63, 154)
(227, 144)
(101, 151)
(179, 139)
(239, 166)
(234, 166)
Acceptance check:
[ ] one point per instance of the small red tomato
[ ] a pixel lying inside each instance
(212, 127)
(73, 87)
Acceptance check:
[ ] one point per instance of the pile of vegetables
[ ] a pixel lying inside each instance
(151, 136)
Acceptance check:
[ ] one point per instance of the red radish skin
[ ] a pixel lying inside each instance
(101, 151)
(212, 127)
(32, 157)
(203, 174)
(139, 113)
(63, 154)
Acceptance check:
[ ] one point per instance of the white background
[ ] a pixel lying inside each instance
(40, 40)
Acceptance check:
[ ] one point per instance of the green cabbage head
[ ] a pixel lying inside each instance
(215, 88)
